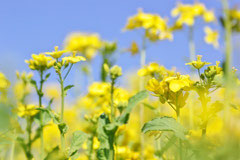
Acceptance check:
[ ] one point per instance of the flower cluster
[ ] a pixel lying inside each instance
(154, 25)
(86, 44)
(171, 88)
(155, 70)
(40, 62)
(187, 13)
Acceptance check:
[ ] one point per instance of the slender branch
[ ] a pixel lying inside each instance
(191, 43)
(41, 115)
(68, 71)
(62, 105)
(141, 110)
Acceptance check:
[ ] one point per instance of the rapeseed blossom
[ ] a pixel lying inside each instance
(4, 82)
(198, 64)
(187, 13)
(73, 58)
(56, 53)
(211, 37)
(40, 62)
(154, 25)
(27, 110)
(86, 44)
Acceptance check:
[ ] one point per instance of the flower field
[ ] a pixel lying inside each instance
(151, 113)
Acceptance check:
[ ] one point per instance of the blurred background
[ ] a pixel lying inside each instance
(28, 27)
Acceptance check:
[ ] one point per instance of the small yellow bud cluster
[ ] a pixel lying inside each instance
(114, 72)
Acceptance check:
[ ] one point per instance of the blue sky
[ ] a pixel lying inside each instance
(29, 26)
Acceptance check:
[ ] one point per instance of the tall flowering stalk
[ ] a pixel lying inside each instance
(206, 85)
(155, 28)
(228, 55)
(24, 110)
(41, 63)
(60, 65)
(187, 13)
(174, 91)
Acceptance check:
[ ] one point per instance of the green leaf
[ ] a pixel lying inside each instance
(47, 76)
(78, 139)
(104, 137)
(34, 83)
(133, 101)
(45, 114)
(165, 124)
(63, 128)
(170, 142)
(55, 154)
(68, 87)
(149, 106)
(48, 114)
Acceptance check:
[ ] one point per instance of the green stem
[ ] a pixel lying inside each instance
(178, 120)
(228, 55)
(12, 150)
(199, 74)
(69, 69)
(40, 94)
(112, 100)
(90, 153)
(191, 43)
(62, 106)
(141, 110)
(111, 138)
(204, 106)
(29, 144)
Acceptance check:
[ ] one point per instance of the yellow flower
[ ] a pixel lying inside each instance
(154, 69)
(4, 83)
(179, 82)
(56, 54)
(134, 48)
(73, 58)
(24, 76)
(26, 110)
(40, 62)
(198, 64)
(188, 12)
(120, 97)
(98, 89)
(87, 44)
(211, 37)
(209, 16)
(235, 14)
(155, 26)
(154, 86)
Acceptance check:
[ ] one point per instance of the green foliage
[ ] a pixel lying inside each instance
(105, 139)
(165, 124)
(133, 101)
(68, 87)
(106, 130)
(78, 139)
(55, 154)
